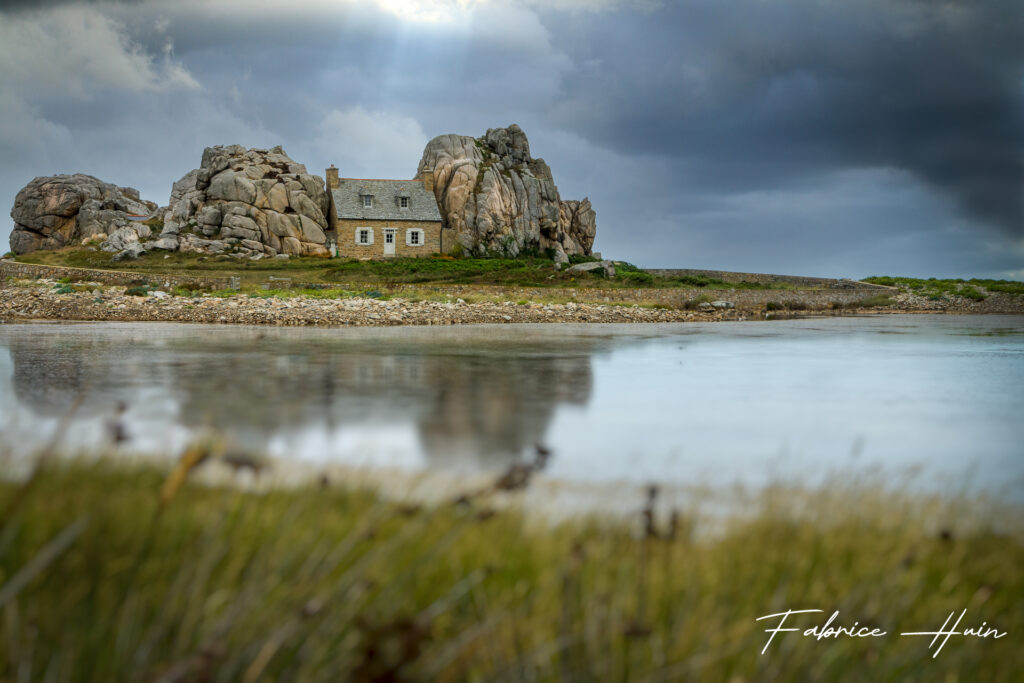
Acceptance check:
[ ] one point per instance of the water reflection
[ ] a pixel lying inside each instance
(750, 403)
(486, 399)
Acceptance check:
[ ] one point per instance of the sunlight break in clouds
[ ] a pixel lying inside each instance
(426, 11)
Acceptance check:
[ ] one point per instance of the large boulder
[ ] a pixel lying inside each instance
(57, 211)
(247, 201)
(498, 199)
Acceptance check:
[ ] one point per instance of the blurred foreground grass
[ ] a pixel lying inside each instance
(119, 572)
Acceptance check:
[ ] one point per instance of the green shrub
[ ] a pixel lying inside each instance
(638, 278)
(972, 293)
(877, 300)
(935, 289)
(137, 291)
(1006, 286)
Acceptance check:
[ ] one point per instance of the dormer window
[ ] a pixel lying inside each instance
(367, 201)
(403, 202)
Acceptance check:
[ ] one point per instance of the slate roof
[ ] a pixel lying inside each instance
(348, 200)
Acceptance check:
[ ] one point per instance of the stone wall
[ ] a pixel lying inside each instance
(809, 299)
(749, 299)
(761, 278)
(345, 233)
(13, 269)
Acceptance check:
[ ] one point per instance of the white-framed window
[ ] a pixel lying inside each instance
(403, 202)
(364, 236)
(414, 237)
(367, 201)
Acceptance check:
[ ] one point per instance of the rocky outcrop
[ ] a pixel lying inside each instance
(248, 202)
(58, 211)
(497, 199)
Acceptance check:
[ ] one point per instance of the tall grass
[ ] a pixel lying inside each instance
(126, 573)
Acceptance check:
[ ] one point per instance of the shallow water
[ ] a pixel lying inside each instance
(709, 404)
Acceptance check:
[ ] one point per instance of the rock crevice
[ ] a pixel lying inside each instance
(249, 202)
(495, 198)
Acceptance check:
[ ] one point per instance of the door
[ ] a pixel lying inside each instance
(389, 241)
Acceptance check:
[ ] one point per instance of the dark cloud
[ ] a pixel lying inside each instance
(756, 94)
(28, 5)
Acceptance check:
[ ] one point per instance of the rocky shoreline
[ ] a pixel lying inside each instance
(44, 299)
(39, 300)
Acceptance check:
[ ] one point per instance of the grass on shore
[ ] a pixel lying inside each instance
(936, 288)
(115, 572)
(518, 272)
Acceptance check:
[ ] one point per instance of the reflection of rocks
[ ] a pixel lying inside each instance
(501, 409)
(45, 379)
(488, 402)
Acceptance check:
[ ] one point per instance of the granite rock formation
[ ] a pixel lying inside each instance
(248, 202)
(497, 199)
(58, 211)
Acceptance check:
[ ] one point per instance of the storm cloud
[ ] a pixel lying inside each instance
(806, 136)
(797, 88)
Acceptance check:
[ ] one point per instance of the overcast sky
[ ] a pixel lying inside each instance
(812, 136)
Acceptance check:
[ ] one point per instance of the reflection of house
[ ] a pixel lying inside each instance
(383, 218)
(485, 405)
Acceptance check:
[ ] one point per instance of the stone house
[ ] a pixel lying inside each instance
(382, 218)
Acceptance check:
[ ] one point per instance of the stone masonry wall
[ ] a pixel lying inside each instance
(345, 231)
(750, 299)
(762, 278)
(109, 277)
(811, 299)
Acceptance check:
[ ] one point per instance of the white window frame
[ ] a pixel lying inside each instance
(420, 232)
(403, 202)
(359, 242)
(367, 201)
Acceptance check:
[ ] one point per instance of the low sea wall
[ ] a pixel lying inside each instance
(763, 278)
(109, 277)
(816, 298)
(811, 299)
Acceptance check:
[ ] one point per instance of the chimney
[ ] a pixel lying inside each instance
(428, 179)
(332, 178)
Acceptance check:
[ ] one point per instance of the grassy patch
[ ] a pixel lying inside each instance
(791, 305)
(525, 271)
(878, 300)
(972, 293)
(114, 573)
(937, 289)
